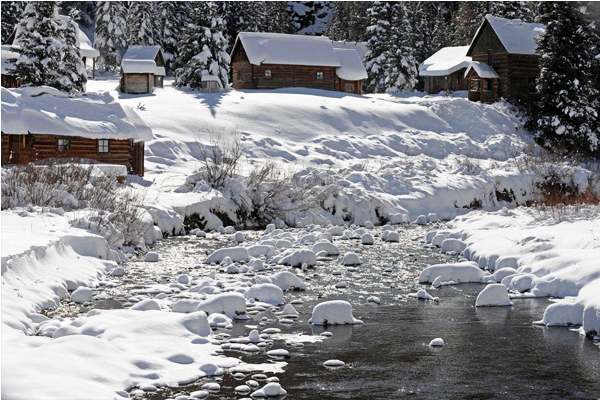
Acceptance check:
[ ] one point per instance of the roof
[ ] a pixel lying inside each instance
(141, 60)
(360, 47)
(45, 110)
(352, 68)
(445, 61)
(482, 70)
(280, 48)
(517, 37)
(8, 55)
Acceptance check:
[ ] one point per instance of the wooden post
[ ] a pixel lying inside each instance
(93, 67)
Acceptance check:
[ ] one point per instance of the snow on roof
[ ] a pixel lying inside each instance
(482, 69)
(352, 68)
(280, 48)
(140, 60)
(445, 62)
(86, 48)
(8, 55)
(360, 47)
(45, 110)
(517, 37)
(210, 78)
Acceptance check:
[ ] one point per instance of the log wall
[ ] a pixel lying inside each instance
(22, 149)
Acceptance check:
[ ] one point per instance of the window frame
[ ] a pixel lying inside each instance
(240, 75)
(268, 73)
(349, 85)
(63, 144)
(100, 146)
(320, 75)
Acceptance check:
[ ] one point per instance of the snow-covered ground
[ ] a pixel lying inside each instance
(374, 155)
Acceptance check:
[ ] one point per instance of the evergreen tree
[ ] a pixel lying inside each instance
(72, 75)
(82, 12)
(401, 63)
(467, 20)
(277, 18)
(242, 16)
(11, 14)
(568, 99)
(421, 15)
(310, 17)
(48, 54)
(440, 36)
(110, 34)
(338, 27)
(380, 37)
(205, 48)
(523, 10)
(170, 17)
(140, 27)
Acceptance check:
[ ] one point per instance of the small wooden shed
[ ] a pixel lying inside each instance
(445, 70)
(44, 123)
(508, 48)
(9, 55)
(276, 60)
(142, 69)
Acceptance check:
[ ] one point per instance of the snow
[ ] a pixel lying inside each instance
(45, 110)
(279, 48)
(272, 389)
(141, 60)
(437, 342)
(284, 279)
(8, 56)
(82, 295)
(151, 257)
(352, 68)
(423, 295)
(236, 254)
(493, 295)
(517, 37)
(360, 47)
(445, 61)
(351, 259)
(453, 273)
(334, 312)
(86, 49)
(266, 293)
(482, 69)
(334, 363)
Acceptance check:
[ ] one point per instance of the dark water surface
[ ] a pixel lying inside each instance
(490, 353)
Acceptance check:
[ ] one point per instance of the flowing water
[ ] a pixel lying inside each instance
(490, 353)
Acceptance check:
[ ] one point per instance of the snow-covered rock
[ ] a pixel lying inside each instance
(272, 389)
(82, 295)
(437, 342)
(266, 293)
(462, 272)
(350, 259)
(236, 254)
(367, 239)
(392, 237)
(334, 363)
(334, 312)
(494, 294)
(284, 279)
(151, 257)
(331, 249)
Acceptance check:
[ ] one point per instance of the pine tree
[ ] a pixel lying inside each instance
(140, 27)
(11, 14)
(401, 63)
(467, 20)
(204, 51)
(170, 17)
(48, 54)
(72, 75)
(381, 34)
(242, 16)
(421, 15)
(277, 18)
(110, 34)
(440, 36)
(338, 27)
(568, 99)
(523, 10)
(310, 17)
(82, 12)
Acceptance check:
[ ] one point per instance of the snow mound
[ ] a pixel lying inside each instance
(437, 342)
(334, 363)
(82, 295)
(284, 279)
(351, 259)
(334, 312)
(266, 293)
(494, 294)
(236, 254)
(233, 305)
(272, 389)
(463, 272)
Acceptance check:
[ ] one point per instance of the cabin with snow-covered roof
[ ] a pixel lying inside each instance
(505, 61)
(44, 123)
(445, 70)
(142, 69)
(9, 56)
(276, 60)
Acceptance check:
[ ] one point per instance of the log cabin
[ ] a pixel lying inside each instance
(9, 55)
(142, 69)
(44, 123)
(445, 70)
(508, 49)
(275, 60)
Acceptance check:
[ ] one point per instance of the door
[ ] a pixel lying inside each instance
(475, 89)
(15, 143)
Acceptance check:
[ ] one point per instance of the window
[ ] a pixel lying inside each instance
(103, 146)
(490, 84)
(64, 144)
(268, 73)
(490, 60)
(320, 75)
(240, 75)
(349, 87)
(474, 85)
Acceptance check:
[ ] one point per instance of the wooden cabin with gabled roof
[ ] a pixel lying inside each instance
(445, 70)
(507, 47)
(45, 123)
(275, 60)
(142, 69)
